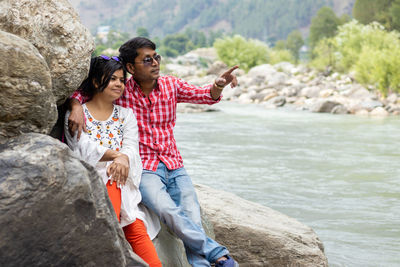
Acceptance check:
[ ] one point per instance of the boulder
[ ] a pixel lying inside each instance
(201, 80)
(27, 103)
(339, 109)
(217, 68)
(277, 79)
(54, 28)
(195, 108)
(54, 209)
(392, 108)
(286, 67)
(179, 70)
(207, 53)
(277, 101)
(324, 106)
(379, 112)
(261, 71)
(392, 98)
(257, 235)
(310, 92)
(371, 104)
(291, 91)
(361, 112)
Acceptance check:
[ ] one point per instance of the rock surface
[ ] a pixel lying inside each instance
(170, 248)
(54, 28)
(259, 236)
(54, 210)
(27, 103)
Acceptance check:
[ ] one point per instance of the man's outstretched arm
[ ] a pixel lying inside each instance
(209, 94)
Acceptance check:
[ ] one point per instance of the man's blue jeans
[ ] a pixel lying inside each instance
(171, 195)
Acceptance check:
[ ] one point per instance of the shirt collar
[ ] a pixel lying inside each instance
(131, 84)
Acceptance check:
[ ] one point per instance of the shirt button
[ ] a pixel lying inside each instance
(155, 142)
(152, 126)
(151, 110)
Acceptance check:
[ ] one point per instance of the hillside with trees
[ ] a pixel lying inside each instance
(266, 20)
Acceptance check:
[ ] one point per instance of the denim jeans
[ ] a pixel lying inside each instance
(171, 195)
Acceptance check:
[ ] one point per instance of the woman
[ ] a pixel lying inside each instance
(111, 146)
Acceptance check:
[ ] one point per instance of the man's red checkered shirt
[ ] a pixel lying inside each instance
(156, 117)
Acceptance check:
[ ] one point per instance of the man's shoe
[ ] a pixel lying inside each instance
(227, 263)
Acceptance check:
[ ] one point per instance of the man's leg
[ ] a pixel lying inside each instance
(155, 196)
(181, 189)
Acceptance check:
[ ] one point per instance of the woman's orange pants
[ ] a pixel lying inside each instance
(136, 232)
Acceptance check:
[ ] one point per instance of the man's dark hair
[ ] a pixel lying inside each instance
(128, 51)
(100, 72)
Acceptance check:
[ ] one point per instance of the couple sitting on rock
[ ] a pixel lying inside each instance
(132, 146)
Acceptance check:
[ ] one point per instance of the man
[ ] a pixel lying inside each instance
(165, 186)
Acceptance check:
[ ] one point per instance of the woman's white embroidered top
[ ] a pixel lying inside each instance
(119, 132)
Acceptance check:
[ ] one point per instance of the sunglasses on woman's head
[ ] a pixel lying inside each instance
(109, 58)
(148, 61)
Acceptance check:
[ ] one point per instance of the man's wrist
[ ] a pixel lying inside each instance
(74, 103)
(220, 87)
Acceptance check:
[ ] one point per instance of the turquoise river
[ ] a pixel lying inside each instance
(338, 174)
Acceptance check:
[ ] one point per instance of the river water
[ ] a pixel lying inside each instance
(338, 174)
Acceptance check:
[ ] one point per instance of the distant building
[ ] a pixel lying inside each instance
(102, 32)
(304, 53)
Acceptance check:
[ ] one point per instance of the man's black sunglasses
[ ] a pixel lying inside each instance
(148, 61)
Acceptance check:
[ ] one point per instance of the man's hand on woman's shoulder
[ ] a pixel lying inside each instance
(76, 119)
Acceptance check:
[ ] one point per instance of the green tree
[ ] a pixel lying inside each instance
(198, 38)
(279, 55)
(98, 50)
(237, 50)
(280, 45)
(294, 42)
(176, 44)
(113, 40)
(367, 11)
(395, 14)
(142, 32)
(323, 25)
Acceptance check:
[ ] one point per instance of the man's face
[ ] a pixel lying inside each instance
(146, 66)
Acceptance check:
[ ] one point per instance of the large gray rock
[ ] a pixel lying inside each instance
(324, 106)
(54, 209)
(170, 248)
(259, 236)
(54, 28)
(27, 103)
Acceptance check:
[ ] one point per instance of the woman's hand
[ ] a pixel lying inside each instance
(119, 169)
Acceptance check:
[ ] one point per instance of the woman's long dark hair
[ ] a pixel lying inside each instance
(100, 72)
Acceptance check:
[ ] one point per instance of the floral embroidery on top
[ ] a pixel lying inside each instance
(107, 133)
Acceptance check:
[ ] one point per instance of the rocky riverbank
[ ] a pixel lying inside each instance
(284, 84)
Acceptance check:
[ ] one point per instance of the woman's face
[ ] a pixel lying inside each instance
(116, 86)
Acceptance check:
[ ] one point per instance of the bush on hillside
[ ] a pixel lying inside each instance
(237, 50)
(325, 54)
(379, 67)
(279, 55)
(369, 50)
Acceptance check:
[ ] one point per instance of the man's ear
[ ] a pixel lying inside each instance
(130, 68)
